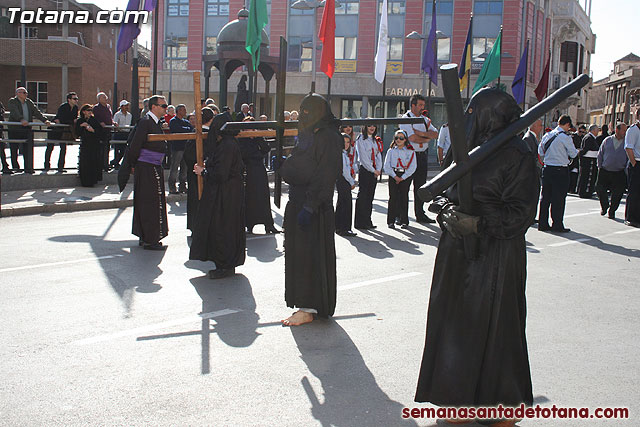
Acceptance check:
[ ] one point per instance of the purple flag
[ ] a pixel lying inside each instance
(150, 5)
(519, 85)
(130, 30)
(429, 58)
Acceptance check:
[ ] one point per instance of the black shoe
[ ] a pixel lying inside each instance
(155, 247)
(632, 224)
(173, 192)
(7, 172)
(30, 172)
(46, 167)
(182, 190)
(603, 212)
(392, 225)
(423, 219)
(270, 229)
(349, 233)
(220, 273)
(404, 226)
(61, 170)
(372, 227)
(560, 230)
(543, 227)
(612, 215)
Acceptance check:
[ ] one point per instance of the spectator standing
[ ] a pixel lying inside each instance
(400, 165)
(23, 110)
(121, 119)
(178, 124)
(556, 149)
(419, 137)
(344, 184)
(102, 112)
(370, 159)
(632, 147)
(6, 170)
(88, 128)
(444, 142)
(612, 159)
(588, 168)
(67, 114)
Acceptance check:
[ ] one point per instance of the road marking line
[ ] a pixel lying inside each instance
(627, 231)
(266, 236)
(570, 242)
(149, 328)
(52, 264)
(377, 281)
(582, 214)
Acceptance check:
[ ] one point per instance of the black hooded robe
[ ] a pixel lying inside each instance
(311, 172)
(88, 165)
(588, 170)
(149, 200)
(476, 350)
(218, 231)
(190, 159)
(257, 197)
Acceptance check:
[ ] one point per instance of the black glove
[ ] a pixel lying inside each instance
(459, 224)
(304, 218)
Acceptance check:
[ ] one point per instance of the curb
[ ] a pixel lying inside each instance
(91, 205)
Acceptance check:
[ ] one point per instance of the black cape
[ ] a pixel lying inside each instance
(476, 350)
(190, 159)
(218, 231)
(149, 200)
(310, 254)
(89, 158)
(257, 197)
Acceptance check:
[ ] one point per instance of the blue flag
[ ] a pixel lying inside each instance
(519, 86)
(429, 58)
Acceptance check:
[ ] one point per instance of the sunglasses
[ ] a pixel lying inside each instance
(75, 99)
(163, 105)
(399, 138)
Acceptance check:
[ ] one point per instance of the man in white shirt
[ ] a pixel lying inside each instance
(419, 137)
(632, 147)
(444, 142)
(121, 118)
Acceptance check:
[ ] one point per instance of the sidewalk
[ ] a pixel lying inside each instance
(34, 202)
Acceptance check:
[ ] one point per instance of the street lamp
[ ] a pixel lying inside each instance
(312, 5)
(414, 35)
(171, 43)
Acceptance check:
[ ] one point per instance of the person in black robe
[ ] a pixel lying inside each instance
(256, 196)
(575, 162)
(89, 165)
(309, 224)
(149, 200)
(190, 159)
(476, 350)
(218, 233)
(588, 167)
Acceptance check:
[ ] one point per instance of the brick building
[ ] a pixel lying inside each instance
(86, 57)
(195, 24)
(622, 87)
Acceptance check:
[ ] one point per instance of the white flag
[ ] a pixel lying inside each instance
(383, 42)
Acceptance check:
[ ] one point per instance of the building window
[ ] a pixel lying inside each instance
(211, 45)
(481, 45)
(299, 55)
(178, 8)
(30, 32)
(487, 8)
(443, 8)
(218, 8)
(145, 87)
(37, 93)
(395, 48)
(177, 56)
(346, 48)
(393, 7)
(348, 8)
(444, 49)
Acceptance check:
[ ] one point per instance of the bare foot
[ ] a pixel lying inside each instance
(298, 318)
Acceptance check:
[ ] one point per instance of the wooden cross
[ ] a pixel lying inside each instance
(198, 136)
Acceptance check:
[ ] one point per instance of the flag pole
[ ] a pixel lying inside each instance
(500, 57)
(471, 60)
(526, 71)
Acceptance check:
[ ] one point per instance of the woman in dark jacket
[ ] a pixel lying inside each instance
(89, 160)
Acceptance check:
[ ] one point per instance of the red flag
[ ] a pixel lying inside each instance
(543, 86)
(327, 35)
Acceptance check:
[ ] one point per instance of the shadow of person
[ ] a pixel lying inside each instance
(263, 248)
(145, 265)
(370, 248)
(351, 395)
(219, 298)
(584, 239)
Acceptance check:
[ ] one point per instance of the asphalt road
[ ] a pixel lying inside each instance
(98, 332)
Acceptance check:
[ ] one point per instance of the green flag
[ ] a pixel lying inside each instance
(492, 64)
(257, 21)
